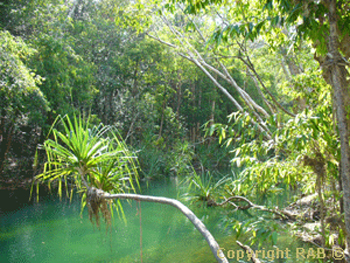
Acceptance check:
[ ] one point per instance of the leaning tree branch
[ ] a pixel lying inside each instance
(198, 64)
(198, 60)
(214, 246)
(268, 92)
(226, 76)
(268, 104)
(162, 41)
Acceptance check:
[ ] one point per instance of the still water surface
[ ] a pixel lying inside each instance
(53, 231)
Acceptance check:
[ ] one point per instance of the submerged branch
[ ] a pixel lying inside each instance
(284, 215)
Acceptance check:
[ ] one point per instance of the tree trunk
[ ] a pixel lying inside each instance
(337, 78)
(212, 113)
(179, 99)
(214, 246)
(162, 120)
(194, 105)
(5, 144)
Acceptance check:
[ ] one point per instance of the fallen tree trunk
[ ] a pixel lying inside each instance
(214, 246)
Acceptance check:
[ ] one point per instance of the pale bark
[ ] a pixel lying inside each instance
(337, 79)
(214, 246)
(250, 205)
(267, 103)
(250, 65)
(261, 126)
(195, 57)
(249, 251)
(202, 65)
(245, 96)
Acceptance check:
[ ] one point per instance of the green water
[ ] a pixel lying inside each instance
(53, 231)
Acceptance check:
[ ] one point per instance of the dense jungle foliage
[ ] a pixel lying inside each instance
(242, 101)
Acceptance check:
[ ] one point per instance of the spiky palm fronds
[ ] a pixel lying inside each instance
(87, 157)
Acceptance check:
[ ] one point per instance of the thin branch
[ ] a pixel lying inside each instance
(268, 104)
(249, 252)
(201, 63)
(250, 65)
(244, 93)
(246, 97)
(162, 41)
(282, 214)
(195, 25)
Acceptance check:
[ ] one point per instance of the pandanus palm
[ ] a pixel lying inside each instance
(99, 165)
(89, 157)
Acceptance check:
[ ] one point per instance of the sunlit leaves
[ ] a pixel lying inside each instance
(254, 19)
(267, 163)
(68, 77)
(19, 90)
